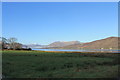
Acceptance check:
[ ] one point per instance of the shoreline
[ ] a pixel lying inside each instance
(105, 52)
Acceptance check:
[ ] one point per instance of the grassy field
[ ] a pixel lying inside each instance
(39, 64)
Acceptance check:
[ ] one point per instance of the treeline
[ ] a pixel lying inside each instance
(11, 44)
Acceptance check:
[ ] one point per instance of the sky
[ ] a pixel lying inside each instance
(60, 0)
(47, 22)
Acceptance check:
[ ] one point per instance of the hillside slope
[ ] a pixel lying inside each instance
(61, 44)
(107, 43)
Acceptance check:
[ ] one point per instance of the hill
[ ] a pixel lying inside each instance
(63, 43)
(107, 43)
(34, 46)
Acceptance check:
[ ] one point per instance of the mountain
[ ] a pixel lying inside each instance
(107, 43)
(34, 46)
(63, 43)
(54, 44)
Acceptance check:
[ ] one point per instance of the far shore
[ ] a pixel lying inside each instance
(62, 51)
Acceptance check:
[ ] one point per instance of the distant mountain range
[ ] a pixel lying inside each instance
(107, 43)
(53, 45)
(34, 46)
(63, 43)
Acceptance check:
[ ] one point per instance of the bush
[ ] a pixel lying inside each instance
(23, 49)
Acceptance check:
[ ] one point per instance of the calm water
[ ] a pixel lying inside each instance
(95, 50)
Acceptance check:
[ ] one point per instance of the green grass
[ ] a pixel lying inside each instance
(40, 64)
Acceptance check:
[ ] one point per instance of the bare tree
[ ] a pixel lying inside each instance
(18, 45)
(12, 42)
(3, 42)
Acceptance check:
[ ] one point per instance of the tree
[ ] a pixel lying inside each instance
(12, 42)
(9, 43)
(3, 42)
(18, 45)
